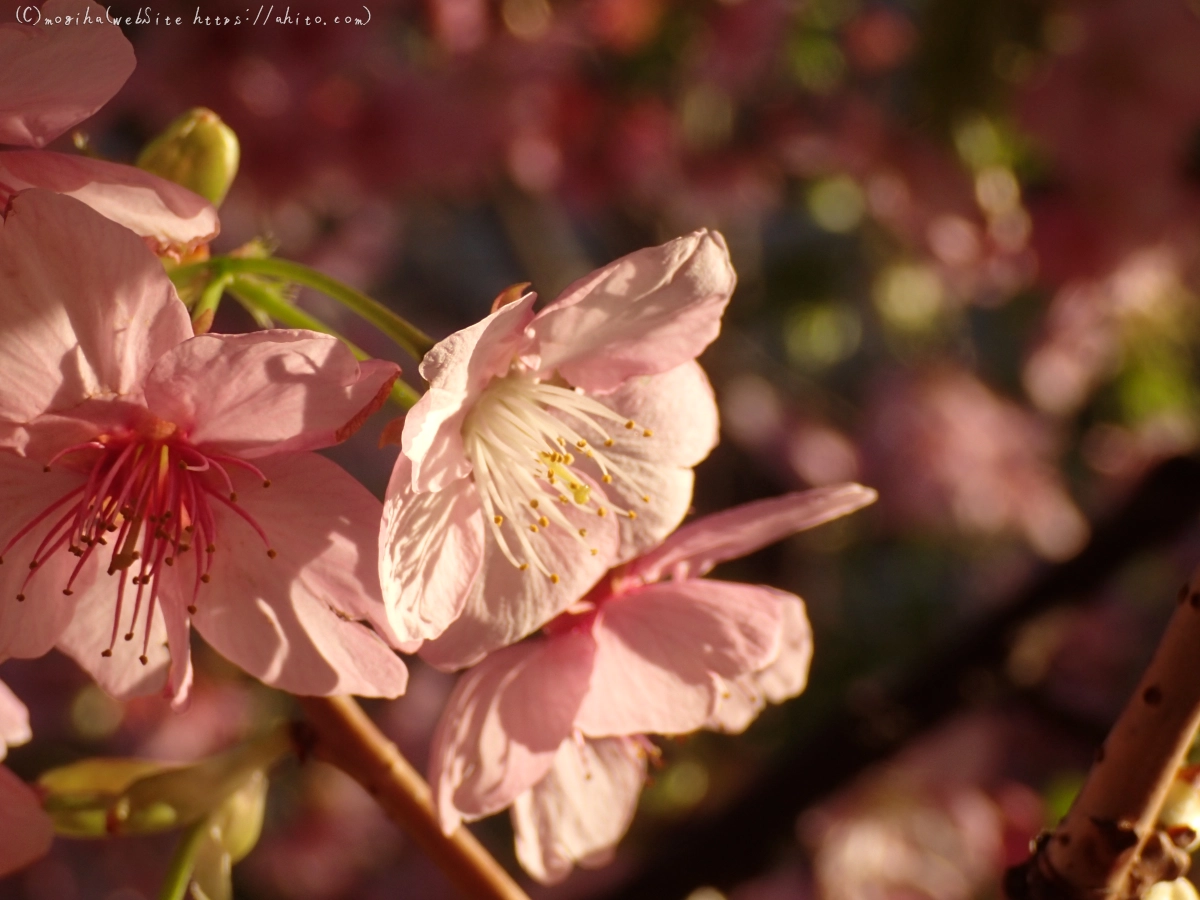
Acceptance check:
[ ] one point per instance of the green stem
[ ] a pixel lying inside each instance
(410, 338)
(248, 293)
(183, 863)
(210, 298)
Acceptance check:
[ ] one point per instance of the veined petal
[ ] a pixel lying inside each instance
(782, 678)
(503, 724)
(698, 546)
(25, 830)
(295, 621)
(505, 604)
(659, 647)
(581, 809)
(89, 633)
(14, 720)
(430, 553)
(30, 627)
(643, 314)
(168, 217)
(458, 369)
(52, 77)
(88, 309)
(267, 392)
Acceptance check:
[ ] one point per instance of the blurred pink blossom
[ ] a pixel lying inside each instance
(25, 831)
(948, 451)
(127, 442)
(550, 447)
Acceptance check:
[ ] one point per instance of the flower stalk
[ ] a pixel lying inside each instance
(1110, 846)
(409, 338)
(346, 738)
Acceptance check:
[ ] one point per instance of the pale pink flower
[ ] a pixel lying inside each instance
(25, 830)
(51, 78)
(550, 447)
(555, 727)
(130, 447)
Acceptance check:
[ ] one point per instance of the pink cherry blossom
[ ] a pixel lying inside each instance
(155, 480)
(51, 78)
(555, 726)
(549, 447)
(25, 830)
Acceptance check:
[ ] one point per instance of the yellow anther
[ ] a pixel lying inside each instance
(553, 578)
(561, 441)
(608, 442)
(602, 512)
(645, 498)
(583, 532)
(594, 551)
(533, 528)
(647, 433)
(522, 567)
(563, 498)
(499, 520)
(568, 458)
(544, 522)
(631, 513)
(581, 443)
(631, 424)
(607, 479)
(533, 503)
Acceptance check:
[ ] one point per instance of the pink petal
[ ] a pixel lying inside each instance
(503, 724)
(296, 621)
(782, 678)
(267, 392)
(25, 830)
(430, 553)
(87, 310)
(581, 809)
(458, 369)
(52, 77)
(30, 628)
(698, 546)
(506, 604)
(90, 631)
(14, 720)
(646, 313)
(678, 409)
(659, 647)
(170, 218)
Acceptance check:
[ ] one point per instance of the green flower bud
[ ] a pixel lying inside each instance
(230, 834)
(198, 151)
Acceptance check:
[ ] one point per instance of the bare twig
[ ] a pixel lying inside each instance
(345, 737)
(1108, 846)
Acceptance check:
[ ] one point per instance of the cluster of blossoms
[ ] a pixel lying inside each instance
(159, 480)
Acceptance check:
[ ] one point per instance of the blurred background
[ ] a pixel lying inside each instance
(967, 243)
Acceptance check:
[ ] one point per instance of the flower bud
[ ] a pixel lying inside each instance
(230, 833)
(1179, 889)
(1180, 813)
(198, 151)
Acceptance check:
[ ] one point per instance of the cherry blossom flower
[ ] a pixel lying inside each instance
(550, 447)
(555, 726)
(25, 830)
(51, 78)
(154, 479)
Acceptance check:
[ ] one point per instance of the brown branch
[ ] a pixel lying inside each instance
(345, 737)
(1108, 846)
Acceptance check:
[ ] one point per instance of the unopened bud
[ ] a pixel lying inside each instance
(1179, 889)
(198, 151)
(1180, 813)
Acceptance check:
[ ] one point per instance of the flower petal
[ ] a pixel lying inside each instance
(581, 809)
(25, 830)
(87, 310)
(89, 633)
(658, 648)
(267, 392)
(646, 313)
(503, 724)
(698, 546)
(294, 621)
(506, 604)
(30, 628)
(169, 218)
(430, 553)
(784, 677)
(14, 720)
(457, 369)
(53, 76)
